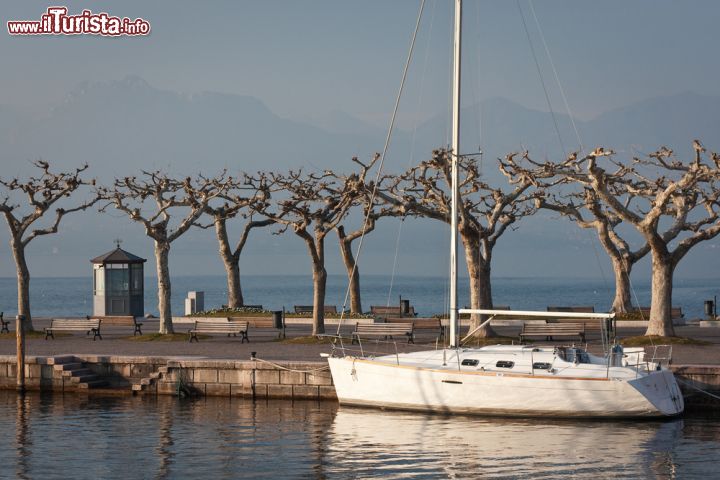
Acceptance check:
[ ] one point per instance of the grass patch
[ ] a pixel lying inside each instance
(311, 340)
(159, 337)
(643, 340)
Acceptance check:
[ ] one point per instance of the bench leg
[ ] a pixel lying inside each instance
(49, 333)
(5, 328)
(137, 330)
(193, 335)
(96, 334)
(244, 337)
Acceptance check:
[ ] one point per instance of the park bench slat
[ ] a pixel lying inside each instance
(261, 322)
(229, 328)
(384, 330)
(128, 320)
(328, 309)
(422, 324)
(384, 311)
(550, 330)
(72, 325)
(675, 312)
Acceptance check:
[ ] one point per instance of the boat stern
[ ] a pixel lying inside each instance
(660, 388)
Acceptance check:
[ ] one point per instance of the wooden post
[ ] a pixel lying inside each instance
(20, 339)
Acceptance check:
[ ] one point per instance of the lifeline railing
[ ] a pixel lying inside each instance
(660, 354)
(363, 348)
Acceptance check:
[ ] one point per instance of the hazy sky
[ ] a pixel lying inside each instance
(307, 58)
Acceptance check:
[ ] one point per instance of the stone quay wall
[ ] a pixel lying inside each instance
(171, 376)
(234, 378)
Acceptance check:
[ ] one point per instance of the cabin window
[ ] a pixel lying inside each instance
(541, 366)
(505, 364)
(470, 362)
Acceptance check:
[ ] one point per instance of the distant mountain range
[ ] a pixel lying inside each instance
(123, 126)
(128, 124)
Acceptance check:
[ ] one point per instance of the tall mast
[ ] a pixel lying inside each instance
(454, 195)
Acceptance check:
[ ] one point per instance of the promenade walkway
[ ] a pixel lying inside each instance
(117, 340)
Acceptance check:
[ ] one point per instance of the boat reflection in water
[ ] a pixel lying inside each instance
(118, 437)
(399, 445)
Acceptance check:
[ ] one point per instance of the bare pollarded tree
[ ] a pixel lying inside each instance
(236, 203)
(673, 204)
(371, 213)
(313, 205)
(587, 211)
(131, 195)
(485, 211)
(346, 239)
(41, 194)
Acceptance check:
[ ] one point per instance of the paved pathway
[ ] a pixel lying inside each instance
(115, 342)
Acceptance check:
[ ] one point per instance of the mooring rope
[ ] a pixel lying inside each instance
(278, 366)
(691, 385)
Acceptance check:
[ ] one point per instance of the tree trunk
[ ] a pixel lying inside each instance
(316, 248)
(480, 287)
(660, 307)
(235, 296)
(162, 253)
(23, 283)
(353, 273)
(232, 265)
(319, 283)
(622, 303)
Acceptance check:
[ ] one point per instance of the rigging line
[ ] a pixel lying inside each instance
(567, 108)
(411, 158)
(557, 77)
(542, 80)
(382, 158)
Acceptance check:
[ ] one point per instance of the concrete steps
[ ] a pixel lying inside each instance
(147, 383)
(78, 374)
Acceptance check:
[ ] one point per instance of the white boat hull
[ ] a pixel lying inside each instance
(368, 382)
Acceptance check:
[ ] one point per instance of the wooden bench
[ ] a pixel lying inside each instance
(229, 328)
(5, 324)
(73, 325)
(434, 324)
(675, 312)
(550, 330)
(385, 330)
(328, 309)
(260, 322)
(577, 309)
(121, 320)
(382, 311)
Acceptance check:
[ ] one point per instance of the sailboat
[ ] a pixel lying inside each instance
(516, 380)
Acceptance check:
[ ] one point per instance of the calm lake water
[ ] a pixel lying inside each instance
(73, 296)
(75, 436)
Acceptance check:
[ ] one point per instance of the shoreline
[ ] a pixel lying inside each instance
(256, 379)
(223, 366)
